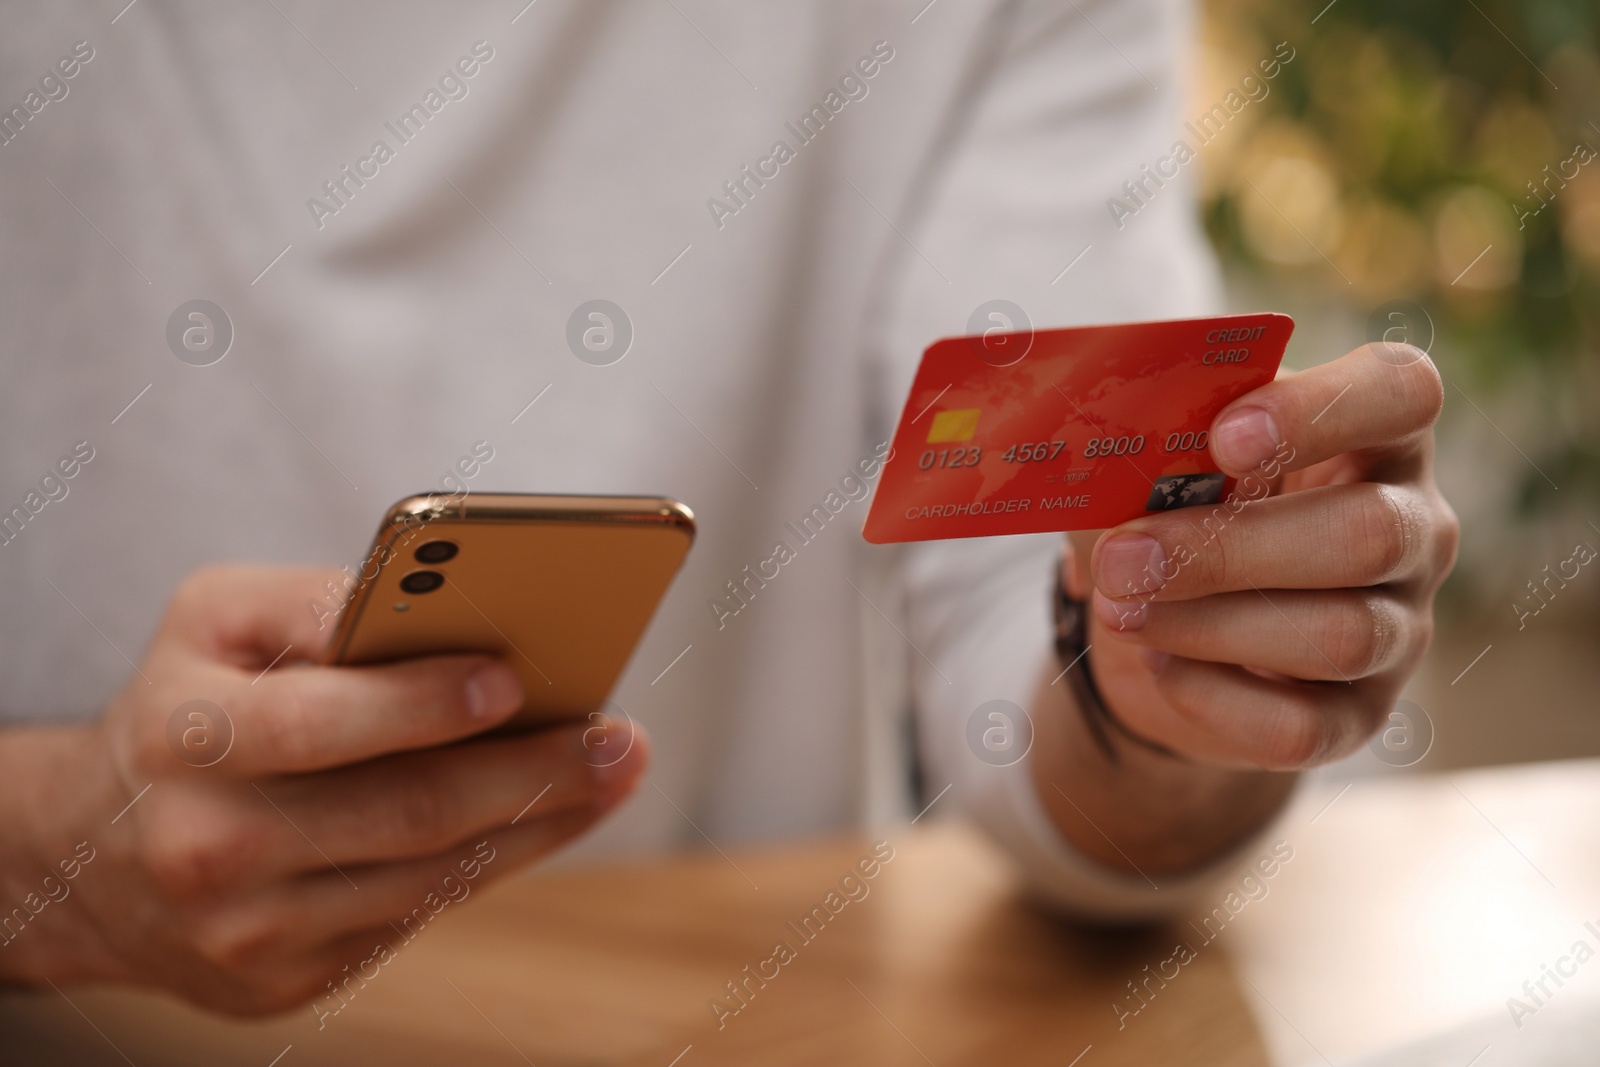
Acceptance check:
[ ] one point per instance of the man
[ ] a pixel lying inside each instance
(403, 217)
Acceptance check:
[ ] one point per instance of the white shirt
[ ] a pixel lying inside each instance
(584, 157)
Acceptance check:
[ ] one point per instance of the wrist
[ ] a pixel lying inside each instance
(1127, 801)
(57, 797)
(1147, 813)
(1072, 645)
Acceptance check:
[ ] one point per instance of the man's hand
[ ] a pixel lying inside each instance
(1272, 632)
(346, 799)
(1281, 633)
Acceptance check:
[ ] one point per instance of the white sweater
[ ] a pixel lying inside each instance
(789, 201)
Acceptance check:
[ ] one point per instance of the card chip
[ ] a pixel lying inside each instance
(959, 425)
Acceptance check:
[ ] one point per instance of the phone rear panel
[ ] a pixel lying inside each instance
(561, 587)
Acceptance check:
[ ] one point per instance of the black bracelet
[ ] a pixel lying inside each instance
(1072, 649)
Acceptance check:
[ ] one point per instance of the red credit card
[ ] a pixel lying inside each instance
(1079, 429)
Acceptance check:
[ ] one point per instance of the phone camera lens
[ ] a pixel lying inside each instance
(418, 582)
(437, 552)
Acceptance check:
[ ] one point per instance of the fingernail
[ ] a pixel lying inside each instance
(1156, 660)
(1130, 565)
(1244, 438)
(493, 692)
(607, 746)
(1122, 616)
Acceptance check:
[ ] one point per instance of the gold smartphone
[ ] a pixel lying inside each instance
(561, 587)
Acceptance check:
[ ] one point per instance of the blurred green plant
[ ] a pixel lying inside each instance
(1440, 151)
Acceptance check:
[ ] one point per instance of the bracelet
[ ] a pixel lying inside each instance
(1072, 649)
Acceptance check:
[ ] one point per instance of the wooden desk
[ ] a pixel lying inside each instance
(1412, 904)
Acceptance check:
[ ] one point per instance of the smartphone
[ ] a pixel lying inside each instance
(561, 587)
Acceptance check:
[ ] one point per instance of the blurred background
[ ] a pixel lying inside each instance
(1432, 168)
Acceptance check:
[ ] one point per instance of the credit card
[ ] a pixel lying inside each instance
(1075, 429)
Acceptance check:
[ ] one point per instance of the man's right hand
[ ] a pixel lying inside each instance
(346, 798)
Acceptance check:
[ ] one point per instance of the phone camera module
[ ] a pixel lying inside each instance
(437, 552)
(419, 582)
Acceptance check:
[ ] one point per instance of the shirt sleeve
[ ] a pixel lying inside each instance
(1073, 101)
